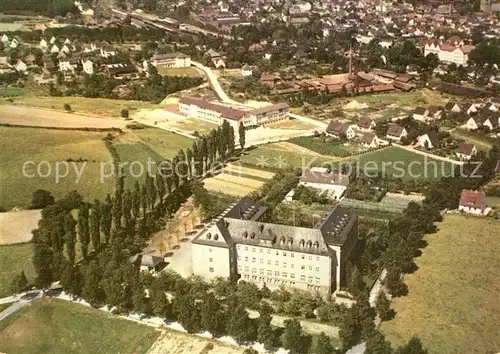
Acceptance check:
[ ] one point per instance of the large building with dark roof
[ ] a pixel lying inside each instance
(240, 245)
(217, 113)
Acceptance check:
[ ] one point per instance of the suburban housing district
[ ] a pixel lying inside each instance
(240, 246)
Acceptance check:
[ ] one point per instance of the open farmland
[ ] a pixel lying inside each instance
(99, 107)
(452, 304)
(51, 146)
(58, 326)
(16, 226)
(32, 116)
(13, 260)
(164, 143)
(134, 159)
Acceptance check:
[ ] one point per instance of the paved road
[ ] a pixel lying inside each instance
(214, 82)
(17, 303)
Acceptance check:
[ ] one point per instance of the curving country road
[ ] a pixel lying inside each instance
(214, 83)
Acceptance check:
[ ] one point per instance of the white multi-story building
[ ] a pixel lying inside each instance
(217, 113)
(449, 53)
(238, 245)
(171, 60)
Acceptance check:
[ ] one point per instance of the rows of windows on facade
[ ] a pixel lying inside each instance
(238, 244)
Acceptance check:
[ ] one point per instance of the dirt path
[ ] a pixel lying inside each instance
(184, 220)
(50, 118)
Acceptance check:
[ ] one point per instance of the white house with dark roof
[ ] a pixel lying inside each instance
(396, 132)
(366, 125)
(246, 70)
(428, 140)
(370, 140)
(338, 129)
(466, 151)
(238, 244)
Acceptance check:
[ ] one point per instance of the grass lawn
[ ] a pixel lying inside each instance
(452, 303)
(100, 107)
(58, 326)
(326, 146)
(481, 142)
(493, 202)
(164, 143)
(7, 91)
(400, 163)
(273, 156)
(13, 260)
(20, 145)
(189, 71)
(134, 159)
(193, 124)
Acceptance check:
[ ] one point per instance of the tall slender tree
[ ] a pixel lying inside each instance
(95, 222)
(84, 229)
(70, 237)
(241, 135)
(106, 217)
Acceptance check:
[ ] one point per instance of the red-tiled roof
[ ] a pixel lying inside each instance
(474, 199)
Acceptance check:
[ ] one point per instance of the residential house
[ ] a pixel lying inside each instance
(238, 244)
(334, 184)
(466, 151)
(434, 112)
(88, 66)
(396, 132)
(5, 39)
(370, 140)
(43, 45)
(52, 40)
(472, 202)
(452, 107)
(54, 49)
(338, 130)
(246, 70)
(21, 66)
(65, 49)
(366, 125)
(428, 140)
(68, 64)
(420, 114)
(473, 123)
(171, 60)
(14, 43)
(30, 59)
